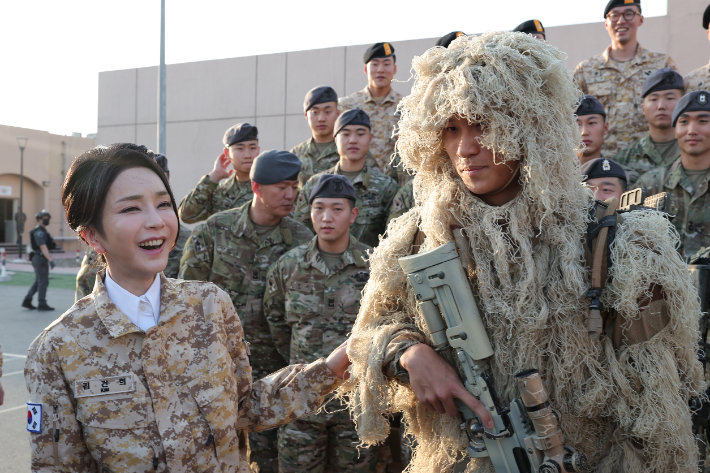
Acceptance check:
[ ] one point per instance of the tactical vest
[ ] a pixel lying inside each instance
(50, 241)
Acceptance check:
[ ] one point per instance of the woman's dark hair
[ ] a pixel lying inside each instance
(91, 175)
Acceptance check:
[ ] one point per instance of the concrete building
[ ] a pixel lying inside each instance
(46, 160)
(205, 98)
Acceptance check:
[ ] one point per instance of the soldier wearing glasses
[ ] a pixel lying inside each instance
(616, 76)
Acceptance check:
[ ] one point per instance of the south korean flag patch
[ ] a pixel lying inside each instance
(34, 418)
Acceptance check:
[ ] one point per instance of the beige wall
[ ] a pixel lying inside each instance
(205, 98)
(46, 158)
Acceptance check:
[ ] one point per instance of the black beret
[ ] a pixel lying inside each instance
(698, 101)
(445, 41)
(378, 50)
(602, 167)
(619, 3)
(274, 166)
(662, 79)
(320, 94)
(589, 105)
(162, 162)
(238, 133)
(706, 18)
(530, 26)
(351, 117)
(332, 185)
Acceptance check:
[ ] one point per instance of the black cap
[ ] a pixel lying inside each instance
(351, 117)
(274, 166)
(662, 79)
(162, 161)
(620, 3)
(445, 41)
(43, 213)
(320, 94)
(333, 185)
(238, 133)
(602, 167)
(530, 27)
(589, 105)
(378, 50)
(706, 18)
(698, 101)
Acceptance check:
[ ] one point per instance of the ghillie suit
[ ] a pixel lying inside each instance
(624, 406)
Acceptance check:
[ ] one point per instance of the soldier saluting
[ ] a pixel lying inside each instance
(41, 242)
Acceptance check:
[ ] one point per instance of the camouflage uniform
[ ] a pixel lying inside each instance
(227, 251)
(698, 79)
(209, 197)
(692, 209)
(642, 156)
(618, 87)
(374, 191)
(383, 119)
(183, 390)
(89, 265)
(311, 311)
(402, 202)
(314, 162)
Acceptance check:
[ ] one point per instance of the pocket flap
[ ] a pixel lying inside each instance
(304, 287)
(132, 412)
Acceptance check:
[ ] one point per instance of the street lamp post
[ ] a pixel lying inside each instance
(20, 217)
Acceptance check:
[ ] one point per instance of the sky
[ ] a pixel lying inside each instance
(52, 52)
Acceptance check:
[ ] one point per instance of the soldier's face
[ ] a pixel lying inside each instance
(242, 155)
(658, 108)
(353, 142)
(593, 129)
(139, 226)
(693, 133)
(622, 30)
(380, 72)
(495, 183)
(332, 217)
(277, 198)
(539, 36)
(606, 187)
(321, 118)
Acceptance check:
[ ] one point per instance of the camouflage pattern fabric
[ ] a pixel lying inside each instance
(692, 209)
(618, 87)
(697, 79)
(403, 201)
(227, 251)
(311, 310)
(209, 197)
(642, 156)
(374, 192)
(383, 120)
(173, 267)
(178, 395)
(86, 276)
(315, 162)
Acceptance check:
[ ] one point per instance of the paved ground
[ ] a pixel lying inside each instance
(18, 327)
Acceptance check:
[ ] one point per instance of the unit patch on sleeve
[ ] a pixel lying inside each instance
(34, 417)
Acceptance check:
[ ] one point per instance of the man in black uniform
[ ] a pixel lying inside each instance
(42, 242)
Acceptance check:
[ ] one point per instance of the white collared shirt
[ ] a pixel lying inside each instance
(144, 311)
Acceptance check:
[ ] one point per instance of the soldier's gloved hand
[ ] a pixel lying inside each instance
(52, 264)
(436, 383)
(220, 170)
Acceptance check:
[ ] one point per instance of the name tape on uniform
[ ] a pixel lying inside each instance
(104, 386)
(34, 417)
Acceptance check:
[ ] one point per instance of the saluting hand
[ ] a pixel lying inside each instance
(220, 170)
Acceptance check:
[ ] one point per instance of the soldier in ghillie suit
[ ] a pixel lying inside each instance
(489, 131)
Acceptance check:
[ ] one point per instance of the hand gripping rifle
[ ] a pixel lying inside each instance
(526, 437)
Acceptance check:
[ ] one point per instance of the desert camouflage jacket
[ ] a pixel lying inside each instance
(383, 120)
(209, 197)
(174, 398)
(374, 192)
(692, 209)
(227, 251)
(314, 162)
(619, 90)
(698, 79)
(643, 156)
(311, 309)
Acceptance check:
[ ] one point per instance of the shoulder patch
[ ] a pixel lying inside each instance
(361, 276)
(34, 417)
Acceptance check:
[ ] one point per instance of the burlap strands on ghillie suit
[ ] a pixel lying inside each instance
(530, 277)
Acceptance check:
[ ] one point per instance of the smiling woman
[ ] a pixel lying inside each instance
(147, 372)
